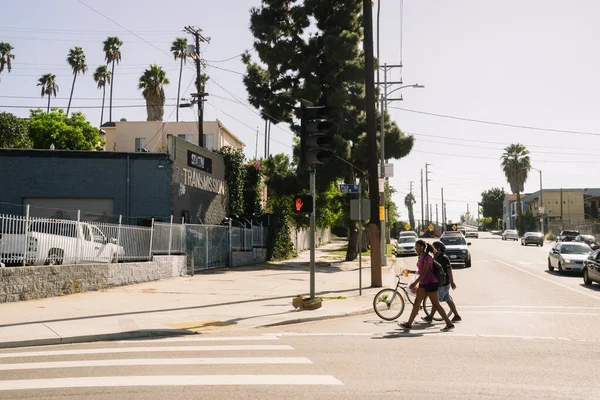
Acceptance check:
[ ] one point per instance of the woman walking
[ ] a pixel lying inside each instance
(428, 286)
(439, 252)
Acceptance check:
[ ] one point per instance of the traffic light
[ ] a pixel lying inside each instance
(318, 126)
(303, 203)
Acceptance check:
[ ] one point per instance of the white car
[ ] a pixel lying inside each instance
(473, 234)
(407, 234)
(568, 256)
(406, 245)
(510, 234)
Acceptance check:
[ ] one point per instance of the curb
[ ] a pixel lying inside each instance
(362, 311)
(139, 334)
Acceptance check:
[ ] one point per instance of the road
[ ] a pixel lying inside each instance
(526, 334)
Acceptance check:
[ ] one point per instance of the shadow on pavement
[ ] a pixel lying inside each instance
(595, 288)
(566, 274)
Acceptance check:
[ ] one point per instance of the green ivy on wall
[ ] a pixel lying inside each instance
(235, 175)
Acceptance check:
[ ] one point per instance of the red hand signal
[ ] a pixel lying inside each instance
(299, 204)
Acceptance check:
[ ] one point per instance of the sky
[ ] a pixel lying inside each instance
(528, 63)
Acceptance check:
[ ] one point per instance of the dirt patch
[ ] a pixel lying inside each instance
(149, 290)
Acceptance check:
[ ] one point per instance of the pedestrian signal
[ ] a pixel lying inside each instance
(303, 204)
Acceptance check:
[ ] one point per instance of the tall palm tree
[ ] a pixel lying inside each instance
(516, 166)
(409, 202)
(112, 54)
(49, 87)
(179, 50)
(76, 60)
(102, 77)
(152, 82)
(6, 56)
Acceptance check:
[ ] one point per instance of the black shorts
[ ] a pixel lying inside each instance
(430, 287)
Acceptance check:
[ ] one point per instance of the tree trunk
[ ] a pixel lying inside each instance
(352, 252)
(72, 89)
(103, 97)
(48, 110)
(411, 216)
(112, 81)
(179, 89)
(520, 214)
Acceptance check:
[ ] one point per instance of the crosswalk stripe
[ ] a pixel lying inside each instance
(176, 380)
(145, 350)
(155, 361)
(194, 338)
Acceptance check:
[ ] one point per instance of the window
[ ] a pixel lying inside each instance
(209, 141)
(140, 143)
(186, 137)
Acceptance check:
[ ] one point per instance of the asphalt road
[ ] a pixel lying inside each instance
(526, 334)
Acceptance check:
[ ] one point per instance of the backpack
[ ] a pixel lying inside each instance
(438, 272)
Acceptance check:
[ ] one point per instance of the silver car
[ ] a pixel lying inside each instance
(510, 235)
(568, 256)
(406, 245)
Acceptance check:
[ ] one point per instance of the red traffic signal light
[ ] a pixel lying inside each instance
(303, 204)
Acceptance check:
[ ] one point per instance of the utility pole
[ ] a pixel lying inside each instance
(411, 187)
(374, 227)
(256, 150)
(382, 177)
(562, 220)
(422, 211)
(266, 137)
(198, 37)
(427, 180)
(443, 212)
(437, 221)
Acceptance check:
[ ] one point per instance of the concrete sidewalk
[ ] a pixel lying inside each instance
(216, 300)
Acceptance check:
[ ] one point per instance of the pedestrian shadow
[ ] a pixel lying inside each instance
(415, 331)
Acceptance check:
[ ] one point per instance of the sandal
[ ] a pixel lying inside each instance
(447, 328)
(405, 325)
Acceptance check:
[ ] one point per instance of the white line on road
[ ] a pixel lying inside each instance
(145, 350)
(181, 380)
(155, 361)
(549, 280)
(194, 338)
(536, 307)
(529, 312)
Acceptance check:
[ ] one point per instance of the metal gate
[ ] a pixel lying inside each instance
(207, 246)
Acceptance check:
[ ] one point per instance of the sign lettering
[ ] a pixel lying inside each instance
(200, 162)
(201, 181)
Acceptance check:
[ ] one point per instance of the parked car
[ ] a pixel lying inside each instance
(510, 234)
(407, 233)
(568, 256)
(406, 245)
(472, 234)
(590, 240)
(457, 249)
(536, 238)
(591, 268)
(567, 236)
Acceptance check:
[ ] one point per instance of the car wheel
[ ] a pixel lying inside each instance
(468, 263)
(560, 268)
(586, 277)
(550, 267)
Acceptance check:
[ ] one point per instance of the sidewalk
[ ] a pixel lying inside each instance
(216, 300)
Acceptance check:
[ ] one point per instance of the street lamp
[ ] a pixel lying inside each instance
(541, 208)
(384, 103)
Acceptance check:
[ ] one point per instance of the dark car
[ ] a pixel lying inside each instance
(590, 240)
(591, 268)
(567, 236)
(532, 238)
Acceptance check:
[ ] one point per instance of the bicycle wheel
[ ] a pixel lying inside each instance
(388, 304)
(428, 309)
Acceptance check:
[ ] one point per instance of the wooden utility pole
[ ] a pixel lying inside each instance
(374, 227)
(199, 85)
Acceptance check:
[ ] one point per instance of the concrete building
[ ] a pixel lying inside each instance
(151, 136)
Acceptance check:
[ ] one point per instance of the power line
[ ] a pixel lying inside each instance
(479, 121)
(68, 31)
(498, 159)
(225, 60)
(81, 107)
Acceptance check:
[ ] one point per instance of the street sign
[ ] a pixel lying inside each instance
(388, 170)
(381, 213)
(348, 188)
(431, 227)
(365, 210)
(407, 227)
(381, 185)
(453, 227)
(541, 219)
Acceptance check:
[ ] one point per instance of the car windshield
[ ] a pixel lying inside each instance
(570, 233)
(453, 241)
(407, 239)
(575, 249)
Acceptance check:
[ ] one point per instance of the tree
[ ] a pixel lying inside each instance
(65, 133)
(179, 50)
(14, 133)
(492, 205)
(102, 76)
(76, 60)
(516, 166)
(112, 54)
(152, 82)
(6, 56)
(409, 202)
(312, 50)
(235, 175)
(49, 87)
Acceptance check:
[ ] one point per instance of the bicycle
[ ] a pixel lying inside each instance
(387, 298)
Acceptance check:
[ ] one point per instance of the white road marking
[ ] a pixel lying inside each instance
(155, 361)
(176, 380)
(197, 338)
(536, 307)
(550, 281)
(529, 312)
(145, 350)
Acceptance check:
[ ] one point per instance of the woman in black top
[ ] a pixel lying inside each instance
(439, 252)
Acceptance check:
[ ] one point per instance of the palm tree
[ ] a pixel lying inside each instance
(516, 166)
(6, 56)
(179, 50)
(152, 82)
(112, 54)
(102, 77)
(409, 202)
(76, 60)
(49, 87)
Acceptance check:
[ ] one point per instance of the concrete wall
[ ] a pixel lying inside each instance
(241, 258)
(28, 283)
(301, 238)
